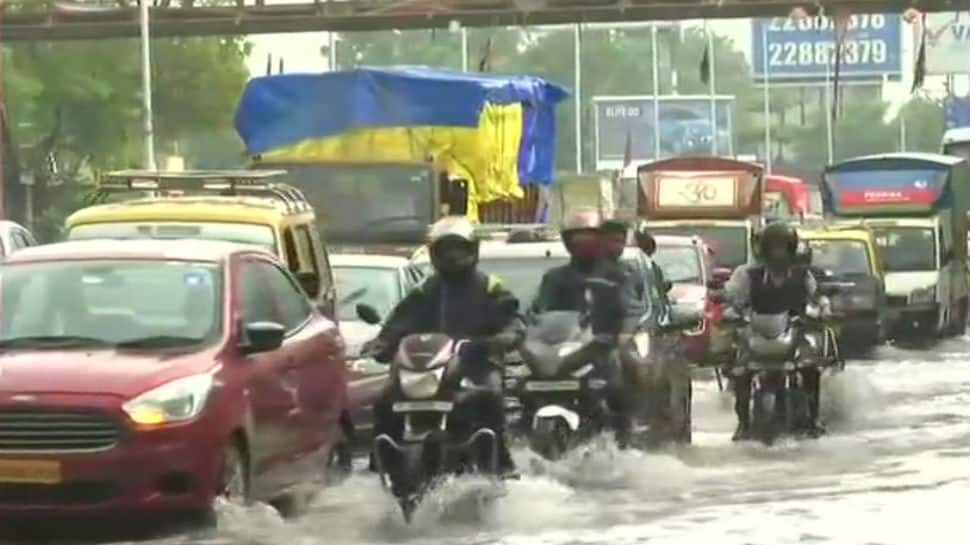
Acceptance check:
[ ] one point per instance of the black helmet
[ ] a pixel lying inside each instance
(778, 235)
(644, 239)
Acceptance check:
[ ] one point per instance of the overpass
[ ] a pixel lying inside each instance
(53, 20)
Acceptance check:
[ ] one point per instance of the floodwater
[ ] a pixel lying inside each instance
(894, 469)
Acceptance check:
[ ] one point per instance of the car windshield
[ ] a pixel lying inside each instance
(156, 303)
(521, 275)
(729, 243)
(906, 249)
(842, 257)
(244, 233)
(680, 264)
(379, 287)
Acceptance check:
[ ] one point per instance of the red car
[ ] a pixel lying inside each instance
(150, 376)
(687, 263)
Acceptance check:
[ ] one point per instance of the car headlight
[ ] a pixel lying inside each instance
(177, 401)
(568, 348)
(421, 384)
(922, 295)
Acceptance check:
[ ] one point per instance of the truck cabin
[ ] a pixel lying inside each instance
(786, 198)
(916, 205)
(718, 199)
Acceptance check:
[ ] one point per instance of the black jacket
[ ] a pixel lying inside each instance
(475, 307)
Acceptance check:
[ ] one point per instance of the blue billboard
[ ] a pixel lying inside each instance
(804, 49)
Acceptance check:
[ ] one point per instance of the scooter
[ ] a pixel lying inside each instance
(773, 349)
(563, 393)
(434, 438)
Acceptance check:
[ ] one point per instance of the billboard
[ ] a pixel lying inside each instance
(948, 43)
(802, 50)
(956, 111)
(684, 127)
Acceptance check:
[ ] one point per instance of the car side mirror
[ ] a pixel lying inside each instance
(668, 285)
(368, 314)
(262, 337)
(310, 282)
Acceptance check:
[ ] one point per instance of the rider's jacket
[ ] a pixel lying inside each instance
(608, 291)
(754, 287)
(471, 306)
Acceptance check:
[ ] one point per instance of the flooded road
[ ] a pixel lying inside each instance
(894, 469)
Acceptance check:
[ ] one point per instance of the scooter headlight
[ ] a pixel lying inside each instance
(568, 348)
(421, 384)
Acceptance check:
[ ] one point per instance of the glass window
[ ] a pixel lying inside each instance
(111, 301)
(842, 257)
(288, 302)
(958, 149)
(906, 249)
(289, 246)
(729, 243)
(379, 287)
(244, 233)
(368, 202)
(304, 246)
(521, 275)
(680, 264)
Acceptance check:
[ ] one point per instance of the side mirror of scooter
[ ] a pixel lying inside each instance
(368, 314)
(719, 277)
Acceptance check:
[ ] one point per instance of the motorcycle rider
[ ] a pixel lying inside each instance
(594, 271)
(775, 285)
(463, 303)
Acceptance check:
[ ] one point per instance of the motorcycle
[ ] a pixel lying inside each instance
(563, 394)
(435, 437)
(773, 349)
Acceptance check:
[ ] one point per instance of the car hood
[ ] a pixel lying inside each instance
(903, 283)
(686, 293)
(356, 333)
(106, 372)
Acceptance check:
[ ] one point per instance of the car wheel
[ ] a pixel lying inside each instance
(234, 486)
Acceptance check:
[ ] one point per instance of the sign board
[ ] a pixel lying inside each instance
(956, 110)
(706, 192)
(869, 191)
(948, 43)
(684, 127)
(803, 50)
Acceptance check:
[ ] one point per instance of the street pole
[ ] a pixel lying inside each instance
(656, 91)
(829, 134)
(464, 49)
(766, 97)
(146, 88)
(712, 81)
(578, 100)
(333, 52)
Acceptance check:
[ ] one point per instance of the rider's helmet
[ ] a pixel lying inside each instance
(644, 239)
(581, 234)
(778, 245)
(453, 245)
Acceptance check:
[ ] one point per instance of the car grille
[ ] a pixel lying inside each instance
(72, 493)
(30, 430)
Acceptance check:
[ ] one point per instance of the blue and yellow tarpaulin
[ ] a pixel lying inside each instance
(498, 132)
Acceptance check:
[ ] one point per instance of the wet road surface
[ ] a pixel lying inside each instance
(894, 469)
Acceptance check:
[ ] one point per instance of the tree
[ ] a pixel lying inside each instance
(81, 104)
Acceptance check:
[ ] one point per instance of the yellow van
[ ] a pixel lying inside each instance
(238, 206)
(848, 257)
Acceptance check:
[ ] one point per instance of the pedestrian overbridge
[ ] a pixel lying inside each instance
(52, 20)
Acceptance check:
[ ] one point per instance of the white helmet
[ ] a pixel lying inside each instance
(453, 245)
(452, 227)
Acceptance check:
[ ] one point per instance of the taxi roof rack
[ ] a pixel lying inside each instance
(516, 232)
(256, 183)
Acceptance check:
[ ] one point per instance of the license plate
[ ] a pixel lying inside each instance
(30, 471)
(552, 385)
(418, 406)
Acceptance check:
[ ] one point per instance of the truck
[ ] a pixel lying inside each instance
(917, 205)
(716, 198)
(381, 153)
